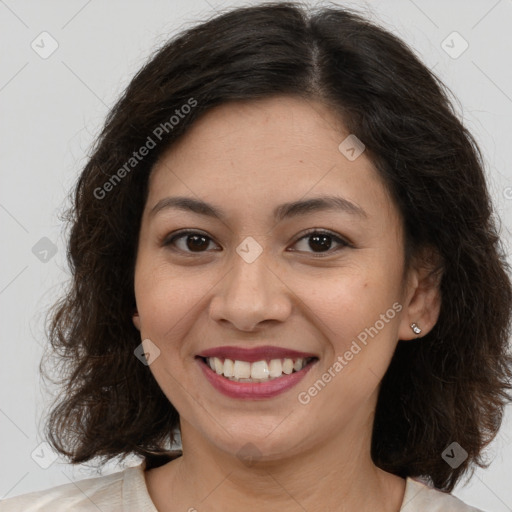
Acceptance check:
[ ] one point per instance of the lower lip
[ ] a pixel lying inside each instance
(253, 390)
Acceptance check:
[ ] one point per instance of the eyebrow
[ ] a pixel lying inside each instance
(283, 211)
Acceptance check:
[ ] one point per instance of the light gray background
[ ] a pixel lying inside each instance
(51, 109)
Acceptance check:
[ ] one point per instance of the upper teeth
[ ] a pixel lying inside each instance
(257, 371)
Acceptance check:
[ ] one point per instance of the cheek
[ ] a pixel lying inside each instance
(166, 301)
(359, 322)
(349, 301)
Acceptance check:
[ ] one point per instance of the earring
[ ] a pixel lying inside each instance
(415, 328)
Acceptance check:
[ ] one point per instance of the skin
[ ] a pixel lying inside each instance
(246, 158)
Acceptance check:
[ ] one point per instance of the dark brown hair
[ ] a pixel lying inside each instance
(449, 386)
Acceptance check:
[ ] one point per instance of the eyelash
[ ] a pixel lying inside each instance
(183, 234)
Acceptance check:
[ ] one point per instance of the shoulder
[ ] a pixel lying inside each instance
(115, 492)
(419, 497)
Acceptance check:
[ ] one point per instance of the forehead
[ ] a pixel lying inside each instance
(260, 153)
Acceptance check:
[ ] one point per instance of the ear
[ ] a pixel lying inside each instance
(136, 319)
(422, 302)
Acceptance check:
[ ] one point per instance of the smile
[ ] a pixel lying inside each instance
(255, 373)
(259, 371)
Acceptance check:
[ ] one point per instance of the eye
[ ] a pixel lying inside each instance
(197, 242)
(322, 240)
(194, 241)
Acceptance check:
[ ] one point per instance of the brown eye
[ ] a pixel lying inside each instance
(322, 241)
(190, 241)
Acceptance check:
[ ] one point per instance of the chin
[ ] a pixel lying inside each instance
(261, 446)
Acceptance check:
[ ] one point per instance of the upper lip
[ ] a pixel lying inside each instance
(254, 354)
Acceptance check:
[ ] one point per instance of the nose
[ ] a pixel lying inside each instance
(251, 294)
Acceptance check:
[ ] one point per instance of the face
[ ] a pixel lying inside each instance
(266, 282)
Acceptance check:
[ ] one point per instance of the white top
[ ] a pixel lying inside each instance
(126, 491)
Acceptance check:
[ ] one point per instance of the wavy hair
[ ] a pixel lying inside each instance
(451, 385)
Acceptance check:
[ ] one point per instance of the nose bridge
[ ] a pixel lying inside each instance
(250, 268)
(251, 292)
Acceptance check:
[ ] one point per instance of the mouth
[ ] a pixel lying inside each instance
(257, 373)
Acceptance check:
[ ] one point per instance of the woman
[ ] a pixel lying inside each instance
(284, 248)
